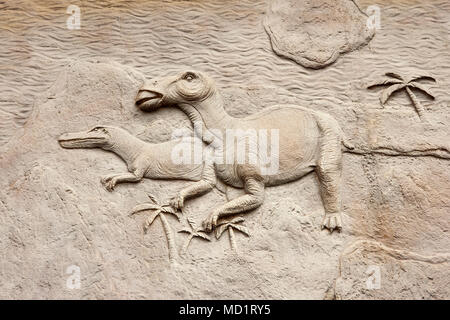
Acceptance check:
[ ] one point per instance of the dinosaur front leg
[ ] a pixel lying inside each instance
(252, 200)
(112, 180)
(329, 173)
(196, 189)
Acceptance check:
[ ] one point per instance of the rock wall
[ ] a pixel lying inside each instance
(55, 213)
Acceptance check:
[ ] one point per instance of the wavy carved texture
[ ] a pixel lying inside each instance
(227, 41)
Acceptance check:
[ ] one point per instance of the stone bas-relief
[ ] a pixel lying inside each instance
(307, 141)
(286, 226)
(197, 95)
(155, 161)
(56, 214)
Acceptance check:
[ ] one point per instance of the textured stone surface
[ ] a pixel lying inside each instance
(402, 274)
(47, 226)
(314, 33)
(54, 212)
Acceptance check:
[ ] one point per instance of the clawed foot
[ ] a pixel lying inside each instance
(109, 182)
(177, 202)
(210, 223)
(332, 221)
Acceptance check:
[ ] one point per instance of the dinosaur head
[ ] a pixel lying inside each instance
(97, 137)
(185, 87)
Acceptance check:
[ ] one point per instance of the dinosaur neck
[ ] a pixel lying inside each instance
(126, 146)
(210, 112)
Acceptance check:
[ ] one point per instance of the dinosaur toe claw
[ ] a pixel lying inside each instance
(332, 221)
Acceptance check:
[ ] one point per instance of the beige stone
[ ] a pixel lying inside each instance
(57, 218)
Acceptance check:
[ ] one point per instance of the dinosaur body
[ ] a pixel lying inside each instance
(308, 141)
(143, 159)
(299, 134)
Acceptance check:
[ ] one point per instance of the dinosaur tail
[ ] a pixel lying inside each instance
(437, 152)
(330, 127)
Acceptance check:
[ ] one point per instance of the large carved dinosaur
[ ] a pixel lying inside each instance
(308, 141)
(143, 159)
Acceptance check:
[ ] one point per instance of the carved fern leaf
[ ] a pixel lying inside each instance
(234, 220)
(418, 78)
(167, 209)
(203, 235)
(150, 219)
(384, 83)
(152, 198)
(221, 229)
(185, 230)
(144, 207)
(389, 91)
(395, 75)
(242, 229)
(192, 223)
(237, 220)
(177, 214)
(422, 88)
(171, 210)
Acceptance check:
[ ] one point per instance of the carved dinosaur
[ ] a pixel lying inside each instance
(142, 158)
(308, 141)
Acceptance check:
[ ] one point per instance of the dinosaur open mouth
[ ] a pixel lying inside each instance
(147, 99)
(145, 95)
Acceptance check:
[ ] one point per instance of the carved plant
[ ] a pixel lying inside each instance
(158, 210)
(397, 82)
(193, 232)
(230, 225)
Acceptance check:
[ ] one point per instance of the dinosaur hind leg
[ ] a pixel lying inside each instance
(329, 168)
(253, 198)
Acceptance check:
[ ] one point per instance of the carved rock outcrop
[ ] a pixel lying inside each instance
(314, 33)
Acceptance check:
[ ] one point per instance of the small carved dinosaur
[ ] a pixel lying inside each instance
(308, 141)
(144, 160)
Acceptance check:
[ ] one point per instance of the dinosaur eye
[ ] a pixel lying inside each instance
(189, 76)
